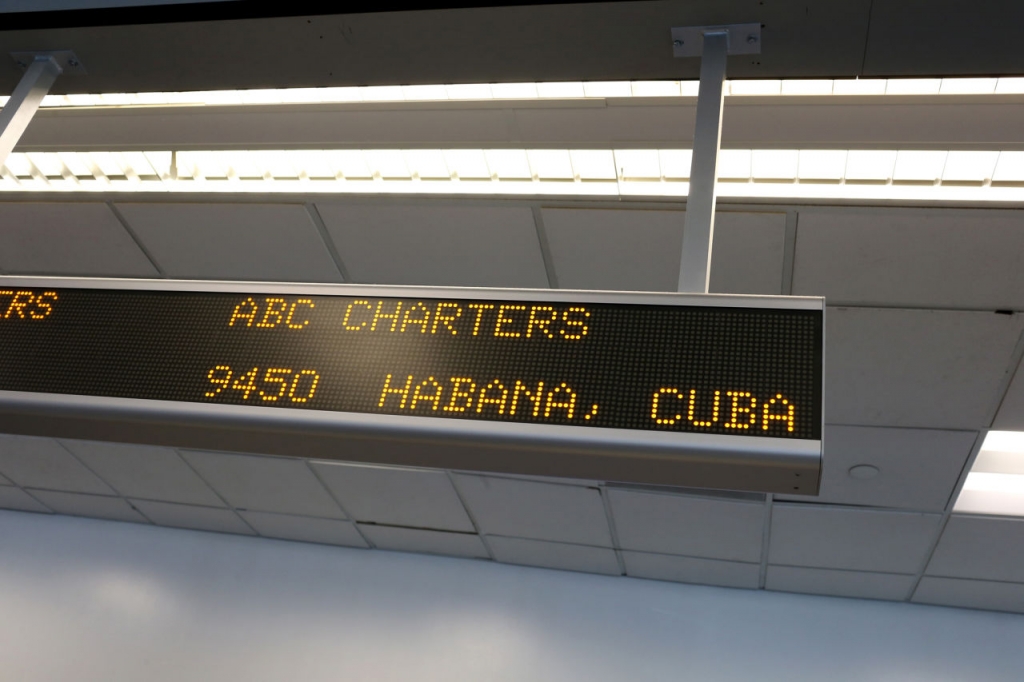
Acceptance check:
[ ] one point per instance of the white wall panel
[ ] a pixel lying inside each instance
(437, 245)
(263, 242)
(914, 257)
(916, 368)
(67, 239)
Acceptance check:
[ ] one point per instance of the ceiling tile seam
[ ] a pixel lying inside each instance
(65, 448)
(698, 557)
(946, 514)
(403, 526)
(841, 570)
(32, 497)
(766, 537)
(975, 580)
(867, 38)
(227, 505)
(503, 536)
(545, 246)
(112, 207)
(325, 236)
(330, 493)
(469, 514)
(789, 251)
(609, 517)
(1015, 364)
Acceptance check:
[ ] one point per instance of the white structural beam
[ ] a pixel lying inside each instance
(25, 100)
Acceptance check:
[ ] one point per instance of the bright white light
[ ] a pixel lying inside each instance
(969, 166)
(995, 484)
(913, 86)
(427, 164)
(822, 164)
(1010, 86)
(734, 164)
(675, 163)
(1009, 168)
(655, 88)
(968, 86)
(1004, 441)
(869, 165)
(859, 86)
(638, 164)
(316, 165)
(918, 166)
(387, 163)
(509, 164)
(467, 164)
(351, 163)
(691, 88)
(383, 93)
(424, 93)
(593, 164)
(774, 164)
(550, 164)
(979, 481)
(514, 90)
(765, 87)
(560, 90)
(806, 87)
(478, 91)
(607, 89)
(48, 163)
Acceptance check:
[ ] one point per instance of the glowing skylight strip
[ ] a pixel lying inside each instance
(931, 175)
(541, 91)
(995, 484)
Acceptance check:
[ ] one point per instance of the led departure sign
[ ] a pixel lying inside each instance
(730, 370)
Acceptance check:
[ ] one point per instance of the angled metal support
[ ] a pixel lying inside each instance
(25, 100)
(713, 44)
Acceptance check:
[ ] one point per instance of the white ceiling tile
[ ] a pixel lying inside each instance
(425, 541)
(541, 511)
(189, 516)
(437, 245)
(917, 368)
(914, 257)
(690, 570)
(554, 555)
(851, 539)
(252, 483)
(971, 594)
(43, 463)
(304, 529)
(418, 498)
(18, 499)
(266, 242)
(1011, 411)
(144, 471)
(639, 250)
(68, 239)
(858, 584)
(95, 506)
(917, 468)
(689, 525)
(981, 548)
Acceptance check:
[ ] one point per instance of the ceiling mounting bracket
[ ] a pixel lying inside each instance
(688, 41)
(67, 60)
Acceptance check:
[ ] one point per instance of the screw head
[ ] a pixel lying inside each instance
(73, 63)
(677, 43)
(751, 39)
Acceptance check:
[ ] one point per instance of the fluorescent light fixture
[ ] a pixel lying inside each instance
(607, 89)
(1010, 86)
(743, 173)
(560, 90)
(514, 90)
(481, 91)
(913, 86)
(655, 88)
(918, 166)
(424, 93)
(760, 87)
(995, 484)
(859, 86)
(384, 93)
(807, 87)
(968, 86)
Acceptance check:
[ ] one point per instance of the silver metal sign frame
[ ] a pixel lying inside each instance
(605, 454)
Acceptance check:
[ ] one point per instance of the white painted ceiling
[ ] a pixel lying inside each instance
(924, 334)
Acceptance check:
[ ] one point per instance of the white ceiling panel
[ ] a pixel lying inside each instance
(426, 541)
(858, 584)
(264, 242)
(19, 500)
(981, 548)
(43, 463)
(554, 555)
(1011, 412)
(971, 594)
(689, 525)
(639, 250)
(95, 506)
(437, 245)
(914, 257)
(690, 570)
(192, 517)
(417, 498)
(144, 471)
(304, 529)
(67, 239)
(851, 539)
(916, 468)
(541, 511)
(916, 368)
(252, 483)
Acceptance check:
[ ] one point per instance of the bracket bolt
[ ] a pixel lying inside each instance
(73, 63)
(677, 43)
(751, 39)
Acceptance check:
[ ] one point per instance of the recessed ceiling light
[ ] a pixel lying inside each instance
(995, 484)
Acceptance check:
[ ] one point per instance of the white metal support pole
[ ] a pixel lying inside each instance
(699, 225)
(25, 100)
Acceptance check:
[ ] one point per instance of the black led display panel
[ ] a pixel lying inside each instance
(738, 371)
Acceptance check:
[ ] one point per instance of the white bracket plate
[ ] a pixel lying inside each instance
(67, 60)
(688, 41)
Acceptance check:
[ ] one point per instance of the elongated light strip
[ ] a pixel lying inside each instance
(542, 91)
(930, 175)
(995, 484)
